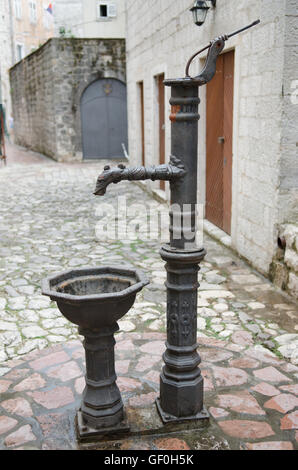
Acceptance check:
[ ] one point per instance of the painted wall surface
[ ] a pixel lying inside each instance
(161, 36)
(47, 87)
(21, 32)
(5, 54)
(81, 18)
(30, 30)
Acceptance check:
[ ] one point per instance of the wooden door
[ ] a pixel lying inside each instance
(219, 157)
(142, 117)
(161, 123)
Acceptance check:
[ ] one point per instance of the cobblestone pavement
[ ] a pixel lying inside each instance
(247, 329)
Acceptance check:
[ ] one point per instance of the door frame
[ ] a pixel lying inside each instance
(76, 107)
(161, 118)
(80, 113)
(202, 156)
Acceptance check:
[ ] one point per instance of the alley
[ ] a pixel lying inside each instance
(48, 224)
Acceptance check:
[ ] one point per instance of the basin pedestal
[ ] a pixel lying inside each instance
(95, 299)
(102, 409)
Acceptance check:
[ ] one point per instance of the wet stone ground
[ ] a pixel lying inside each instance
(247, 330)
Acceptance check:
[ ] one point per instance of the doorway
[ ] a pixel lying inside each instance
(104, 120)
(219, 143)
(161, 122)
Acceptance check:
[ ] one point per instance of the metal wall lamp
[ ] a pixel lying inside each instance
(200, 10)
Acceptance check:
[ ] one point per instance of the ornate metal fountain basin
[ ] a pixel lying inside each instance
(95, 299)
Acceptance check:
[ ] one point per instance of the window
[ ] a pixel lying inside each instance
(106, 10)
(103, 11)
(20, 51)
(33, 12)
(18, 9)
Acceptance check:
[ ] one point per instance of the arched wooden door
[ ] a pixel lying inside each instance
(104, 119)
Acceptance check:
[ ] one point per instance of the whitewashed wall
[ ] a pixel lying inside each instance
(80, 17)
(160, 38)
(5, 55)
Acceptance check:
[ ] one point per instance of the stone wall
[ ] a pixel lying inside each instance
(288, 178)
(161, 39)
(47, 87)
(284, 268)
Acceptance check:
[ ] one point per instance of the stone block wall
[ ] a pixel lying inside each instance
(161, 39)
(284, 268)
(47, 87)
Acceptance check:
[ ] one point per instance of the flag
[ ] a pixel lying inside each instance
(50, 9)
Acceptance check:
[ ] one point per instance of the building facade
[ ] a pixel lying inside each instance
(90, 18)
(5, 52)
(31, 26)
(25, 26)
(69, 99)
(248, 172)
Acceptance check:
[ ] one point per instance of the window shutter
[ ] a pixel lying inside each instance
(112, 10)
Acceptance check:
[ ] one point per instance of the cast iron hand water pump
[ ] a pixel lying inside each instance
(181, 382)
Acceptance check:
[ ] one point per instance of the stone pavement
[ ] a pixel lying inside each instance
(247, 330)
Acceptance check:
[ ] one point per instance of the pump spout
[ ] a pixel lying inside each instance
(167, 172)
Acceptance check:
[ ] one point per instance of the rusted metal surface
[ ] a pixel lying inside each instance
(168, 172)
(215, 47)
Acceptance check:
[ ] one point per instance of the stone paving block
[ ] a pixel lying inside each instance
(218, 413)
(243, 338)
(122, 367)
(4, 385)
(127, 384)
(266, 389)
(154, 347)
(290, 388)
(214, 355)
(19, 437)
(153, 376)
(17, 374)
(143, 400)
(171, 444)
(245, 363)
(229, 377)
(289, 421)
(49, 360)
(55, 398)
(146, 362)
(66, 371)
(270, 445)
(80, 385)
(19, 406)
(33, 382)
(271, 374)
(7, 423)
(283, 403)
(244, 429)
(242, 402)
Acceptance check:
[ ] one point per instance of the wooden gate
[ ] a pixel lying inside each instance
(104, 119)
(219, 156)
